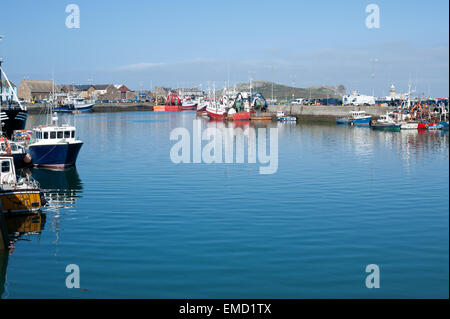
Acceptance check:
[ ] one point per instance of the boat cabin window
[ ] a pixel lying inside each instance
(66, 134)
(52, 134)
(60, 134)
(6, 167)
(73, 134)
(45, 135)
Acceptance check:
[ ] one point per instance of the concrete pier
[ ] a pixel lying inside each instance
(99, 108)
(324, 111)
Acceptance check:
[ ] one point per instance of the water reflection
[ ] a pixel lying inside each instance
(20, 227)
(3, 265)
(61, 187)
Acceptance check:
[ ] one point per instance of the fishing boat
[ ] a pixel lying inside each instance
(54, 145)
(12, 116)
(216, 111)
(435, 126)
(16, 150)
(239, 107)
(202, 104)
(18, 196)
(189, 104)
(409, 125)
(75, 104)
(360, 118)
(281, 117)
(386, 122)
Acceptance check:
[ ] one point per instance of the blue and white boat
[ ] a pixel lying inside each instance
(281, 117)
(54, 146)
(75, 104)
(360, 118)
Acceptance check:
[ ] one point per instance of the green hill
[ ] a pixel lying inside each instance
(284, 92)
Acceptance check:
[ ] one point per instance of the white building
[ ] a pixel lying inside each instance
(8, 94)
(393, 95)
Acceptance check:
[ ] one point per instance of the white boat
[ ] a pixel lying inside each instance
(409, 125)
(75, 103)
(16, 150)
(283, 118)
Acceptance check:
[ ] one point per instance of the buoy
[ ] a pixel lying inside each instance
(27, 158)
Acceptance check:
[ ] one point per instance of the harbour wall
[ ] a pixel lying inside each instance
(326, 112)
(99, 108)
(301, 111)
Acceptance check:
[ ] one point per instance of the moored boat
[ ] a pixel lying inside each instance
(409, 125)
(281, 117)
(54, 146)
(360, 118)
(12, 116)
(189, 104)
(17, 196)
(16, 150)
(216, 111)
(386, 122)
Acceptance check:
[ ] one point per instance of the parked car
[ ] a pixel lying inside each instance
(297, 101)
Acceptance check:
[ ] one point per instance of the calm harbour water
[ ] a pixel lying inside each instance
(140, 226)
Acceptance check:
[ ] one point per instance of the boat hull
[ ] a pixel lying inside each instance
(216, 115)
(171, 108)
(409, 126)
(84, 107)
(423, 126)
(13, 119)
(241, 116)
(343, 121)
(365, 121)
(386, 127)
(55, 155)
(20, 200)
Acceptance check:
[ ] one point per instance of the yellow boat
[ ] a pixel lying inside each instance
(17, 196)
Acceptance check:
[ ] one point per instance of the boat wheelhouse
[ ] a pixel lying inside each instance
(360, 118)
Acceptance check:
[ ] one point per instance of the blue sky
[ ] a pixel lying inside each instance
(186, 43)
